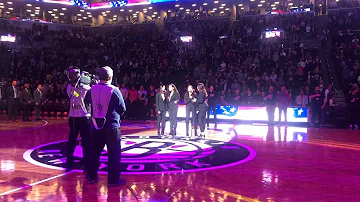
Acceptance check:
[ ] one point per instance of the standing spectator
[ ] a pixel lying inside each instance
(151, 102)
(353, 107)
(212, 101)
(133, 95)
(26, 101)
(317, 101)
(12, 93)
(38, 97)
(142, 98)
(270, 101)
(328, 93)
(302, 99)
(125, 93)
(283, 101)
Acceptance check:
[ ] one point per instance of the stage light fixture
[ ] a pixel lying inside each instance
(28, 5)
(240, 5)
(64, 9)
(121, 10)
(11, 9)
(205, 4)
(50, 12)
(216, 2)
(150, 8)
(193, 5)
(32, 15)
(177, 5)
(9, 2)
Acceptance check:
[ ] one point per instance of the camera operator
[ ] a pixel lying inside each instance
(79, 118)
(107, 107)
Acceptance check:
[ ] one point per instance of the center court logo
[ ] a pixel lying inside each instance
(152, 155)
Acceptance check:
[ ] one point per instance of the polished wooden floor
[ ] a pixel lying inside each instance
(291, 164)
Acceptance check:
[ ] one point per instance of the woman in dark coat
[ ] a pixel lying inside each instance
(174, 98)
(202, 106)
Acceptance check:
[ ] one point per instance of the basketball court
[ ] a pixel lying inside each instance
(235, 162)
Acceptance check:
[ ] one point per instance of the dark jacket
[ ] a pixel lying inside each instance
(189, 104)
(38, 96)
(201, 101)
(10, 93)
(161, 105)
(174, 100)
(26, 96)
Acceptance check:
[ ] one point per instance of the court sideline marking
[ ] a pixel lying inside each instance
(34, 184)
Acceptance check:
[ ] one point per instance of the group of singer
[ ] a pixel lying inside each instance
(196, 107)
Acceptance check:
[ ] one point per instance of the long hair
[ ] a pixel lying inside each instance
(174, 87)
(193, 93)
(201, 88)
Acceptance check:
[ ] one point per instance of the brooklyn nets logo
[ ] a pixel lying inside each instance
(152, 155)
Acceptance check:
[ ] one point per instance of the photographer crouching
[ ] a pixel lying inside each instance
(79, 116)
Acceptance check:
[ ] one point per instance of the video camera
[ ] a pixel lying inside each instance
(75, 76)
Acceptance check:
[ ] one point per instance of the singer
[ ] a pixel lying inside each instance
(190, 108)
(161, 105)
(201, 104)
(174, 98)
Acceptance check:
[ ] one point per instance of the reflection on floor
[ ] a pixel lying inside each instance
(234, 163)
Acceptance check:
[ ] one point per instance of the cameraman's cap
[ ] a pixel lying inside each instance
(105, 73)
